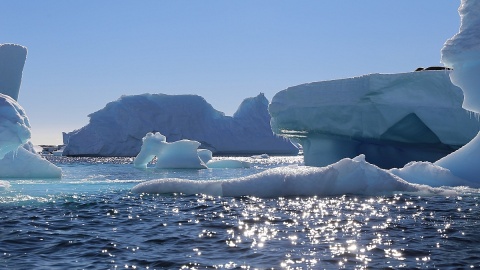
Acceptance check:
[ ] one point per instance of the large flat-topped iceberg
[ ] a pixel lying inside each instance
(391, 118)
(118, 129)
(12, 60)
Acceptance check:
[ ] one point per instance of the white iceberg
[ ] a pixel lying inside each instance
(176, 155)
(183, 154)
(391, 118)
(462, 53)
(118, 129)
(18, 158)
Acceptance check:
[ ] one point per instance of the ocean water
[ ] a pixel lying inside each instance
(89, 219)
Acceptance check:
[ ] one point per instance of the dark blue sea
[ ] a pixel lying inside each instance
(89, 219)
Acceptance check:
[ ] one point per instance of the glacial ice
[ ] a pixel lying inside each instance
(118, 129)
(347, 176)
(14, 125)
(181, 154)
(12, 61)
(17, 157)
(391, 118)
(462, 53)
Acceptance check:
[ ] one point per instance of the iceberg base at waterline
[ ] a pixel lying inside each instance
(347, 176)
(17, 157)
(25, 164)
(405, 117)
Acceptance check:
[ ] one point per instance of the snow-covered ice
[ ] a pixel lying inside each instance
(405, 117)
(347, 176)
(17, 156)
(462, 53)
(118, 129)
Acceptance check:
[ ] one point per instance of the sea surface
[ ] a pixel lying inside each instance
(89, 219)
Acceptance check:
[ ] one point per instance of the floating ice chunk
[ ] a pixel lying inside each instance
(228, 163)
(347, 176)
(4, 185)
(262, 156)
(427, 173)
(176, 155)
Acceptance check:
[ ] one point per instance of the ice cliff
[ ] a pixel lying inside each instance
(12, 60)
(391, 118)
(118, 129)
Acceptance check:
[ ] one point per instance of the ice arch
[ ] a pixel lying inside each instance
(175, 155)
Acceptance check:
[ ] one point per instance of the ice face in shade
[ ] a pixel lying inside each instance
(405, 117)
(462, 53)
(14, 125)
(176, 155)
(117, 129)
(12, 61)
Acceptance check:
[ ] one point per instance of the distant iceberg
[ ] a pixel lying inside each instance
(391, 118)
(118, 129)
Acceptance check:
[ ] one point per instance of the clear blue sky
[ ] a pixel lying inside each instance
(84, 54)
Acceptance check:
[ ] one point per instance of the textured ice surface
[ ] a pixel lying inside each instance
(347, 176)
(117, 129)
(391, 118)
(17, 157)
(462, 53)
(14, 125)
(181, 154)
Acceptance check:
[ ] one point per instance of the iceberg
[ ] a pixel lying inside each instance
(462, 53)
(118, 129)
(347, 176)
(12, 61)
(18, 158)
(181, 154)
(391, 118)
